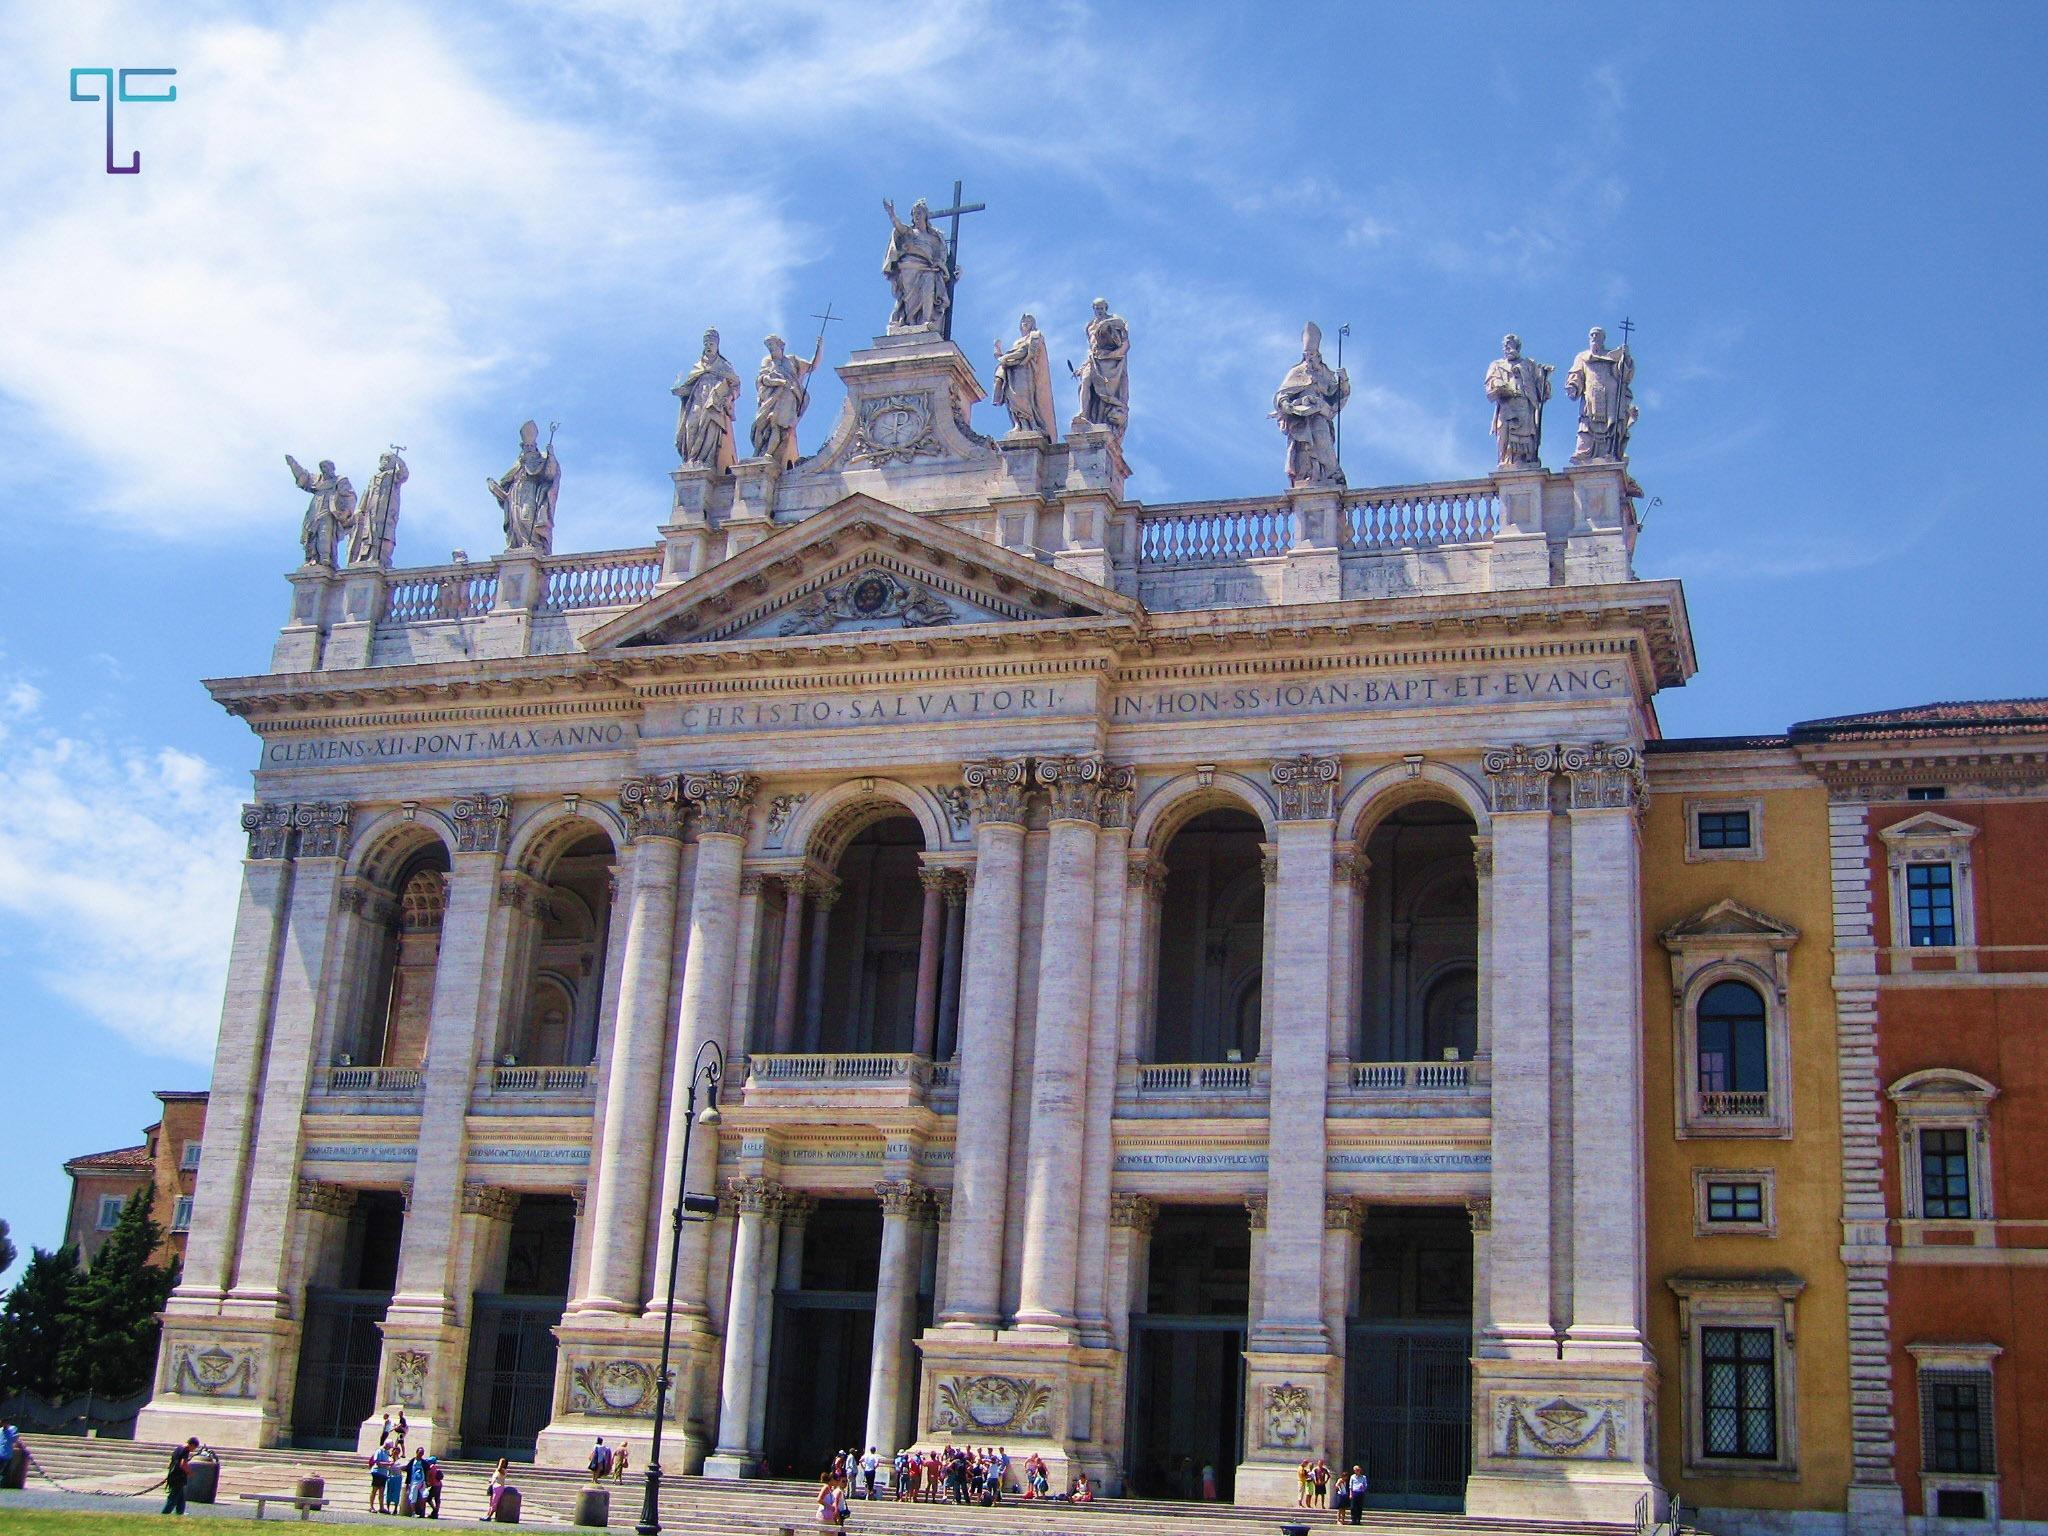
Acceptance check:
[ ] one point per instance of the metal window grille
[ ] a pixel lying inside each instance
(1956, 1423)
(1931, 903)
(1724, 829)
(1736, 1201)
(1739, 1393)
(1945, 1175)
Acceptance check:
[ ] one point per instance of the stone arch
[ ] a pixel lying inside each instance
(547, 831)
(1179, 800)
(389, 841)
(1385, 790)
(828, 821)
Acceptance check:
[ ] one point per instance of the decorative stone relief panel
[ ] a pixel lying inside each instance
(1289, 1416)
(409, 1377)
(612, 1389)
(973, 1404)
(214, 1370)
(1538, 1428)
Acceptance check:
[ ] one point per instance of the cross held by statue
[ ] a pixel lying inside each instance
(953, 250)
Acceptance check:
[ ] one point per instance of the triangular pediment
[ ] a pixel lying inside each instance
(1928, 827)
(1730, 922)
(858, 567)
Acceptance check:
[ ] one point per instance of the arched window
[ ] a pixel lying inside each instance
(1734, 1067)
(1209, 999)
(1450, 1018)
(1418, 937)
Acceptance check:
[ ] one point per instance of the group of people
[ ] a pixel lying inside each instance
(1322, 1488)
(400, 1485)
(607, 1462)
(945, 1475)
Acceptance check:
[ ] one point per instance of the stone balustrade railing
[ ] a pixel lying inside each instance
(440, 592)
(1197, 1077)
(1420, 517)
(373, 1079)
(1213, 533)
(542, 1079)
(1735, 1106)
(843, 1069)
(611, 579)
(1410, 1076)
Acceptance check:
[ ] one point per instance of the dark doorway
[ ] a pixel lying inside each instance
(823, 1341)
(1211, 941)
(509, 1394)
(1408, 1359)
(341, 1342)
(1187, 1356)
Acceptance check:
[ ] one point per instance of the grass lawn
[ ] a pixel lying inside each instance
(16, 1521)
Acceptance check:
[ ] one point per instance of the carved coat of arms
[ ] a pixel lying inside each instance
(971, 1403)
(890, 428)
(409, 1377)
(624, 1388)
(1290, 1411)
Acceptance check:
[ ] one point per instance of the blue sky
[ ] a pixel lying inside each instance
(365, 223)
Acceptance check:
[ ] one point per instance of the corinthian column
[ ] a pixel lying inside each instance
(722, 804)
(1059, 1060)
(889, 1371)
(789, 969)
(1518, 999)
(924, 1029)
(988, 1042)
(654, 812)
(758, 1202)
(1607, 1143)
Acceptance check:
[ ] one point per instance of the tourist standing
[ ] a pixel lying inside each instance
(403, 1430)
(1354, 1492)
(175, 1477)
(869, 1465)
(499, 1474)
(619, 1462)
(600, 1460)
(1319, 1483)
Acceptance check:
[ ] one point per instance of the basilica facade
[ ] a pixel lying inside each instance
(1160, 986)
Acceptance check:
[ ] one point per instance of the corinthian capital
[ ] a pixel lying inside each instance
(1605, 776)
(323, 828)
(759, 1197)
(722, 802)
(1308, 787)
(1070, 786)
(481, 818)
(653, 806)
(900, 1197)
(995, 789)
(1521, 776)
(270, 830)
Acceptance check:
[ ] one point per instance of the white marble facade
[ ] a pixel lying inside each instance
(472, 776)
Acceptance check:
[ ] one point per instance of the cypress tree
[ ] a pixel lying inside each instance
(33, 1321)
(111, 1327)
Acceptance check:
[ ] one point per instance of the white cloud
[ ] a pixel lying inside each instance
(118, 870)
(349, 224)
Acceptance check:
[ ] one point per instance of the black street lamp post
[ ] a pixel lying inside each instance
(709, 1069)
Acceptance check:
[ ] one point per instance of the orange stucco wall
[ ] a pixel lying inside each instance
(1792, 884)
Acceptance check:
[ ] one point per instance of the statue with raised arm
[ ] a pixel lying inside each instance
(1306, 407)
(710, 394)
(329, 515)
(1603, 383)
(782, 390)
(1518, 389)
(377, 519)
(919, 269)
(1105, 383)
(527, 493)
(1024, 381)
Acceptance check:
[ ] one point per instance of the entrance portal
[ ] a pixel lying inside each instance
(824, 1339)
(1408, 1359)
(1187, 1357)
(340, 1341)
(509, 1395)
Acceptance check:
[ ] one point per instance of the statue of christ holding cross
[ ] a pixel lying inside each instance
(923, 265)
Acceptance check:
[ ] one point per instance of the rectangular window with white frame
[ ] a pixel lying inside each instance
(1734, 1202)
(181, 1214)
(1932, 894)
(188, 1156)
(1943, 1120)
(109, 1212)
(1739, 1375)
(1958, 1429)
(1724, 829)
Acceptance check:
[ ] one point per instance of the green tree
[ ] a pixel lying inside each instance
(111, 1327)
(33, 1321)
(7, 1249)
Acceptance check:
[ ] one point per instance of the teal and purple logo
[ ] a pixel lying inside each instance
(114, 87)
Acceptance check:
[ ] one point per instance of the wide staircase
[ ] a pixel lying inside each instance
(694, 1507)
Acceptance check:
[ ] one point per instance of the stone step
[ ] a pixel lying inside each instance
(694, 1507)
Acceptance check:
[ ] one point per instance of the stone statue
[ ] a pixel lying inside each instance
(919, 269)
(1306, 407)
(710, 394)
(377, 520)
(1024, 381)
(329, 515)
(1105, 383)
(782, 389)
(528, 492)
(1518, 388)
(1603, 383)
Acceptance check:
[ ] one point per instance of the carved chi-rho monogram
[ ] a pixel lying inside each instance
(113, 88)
